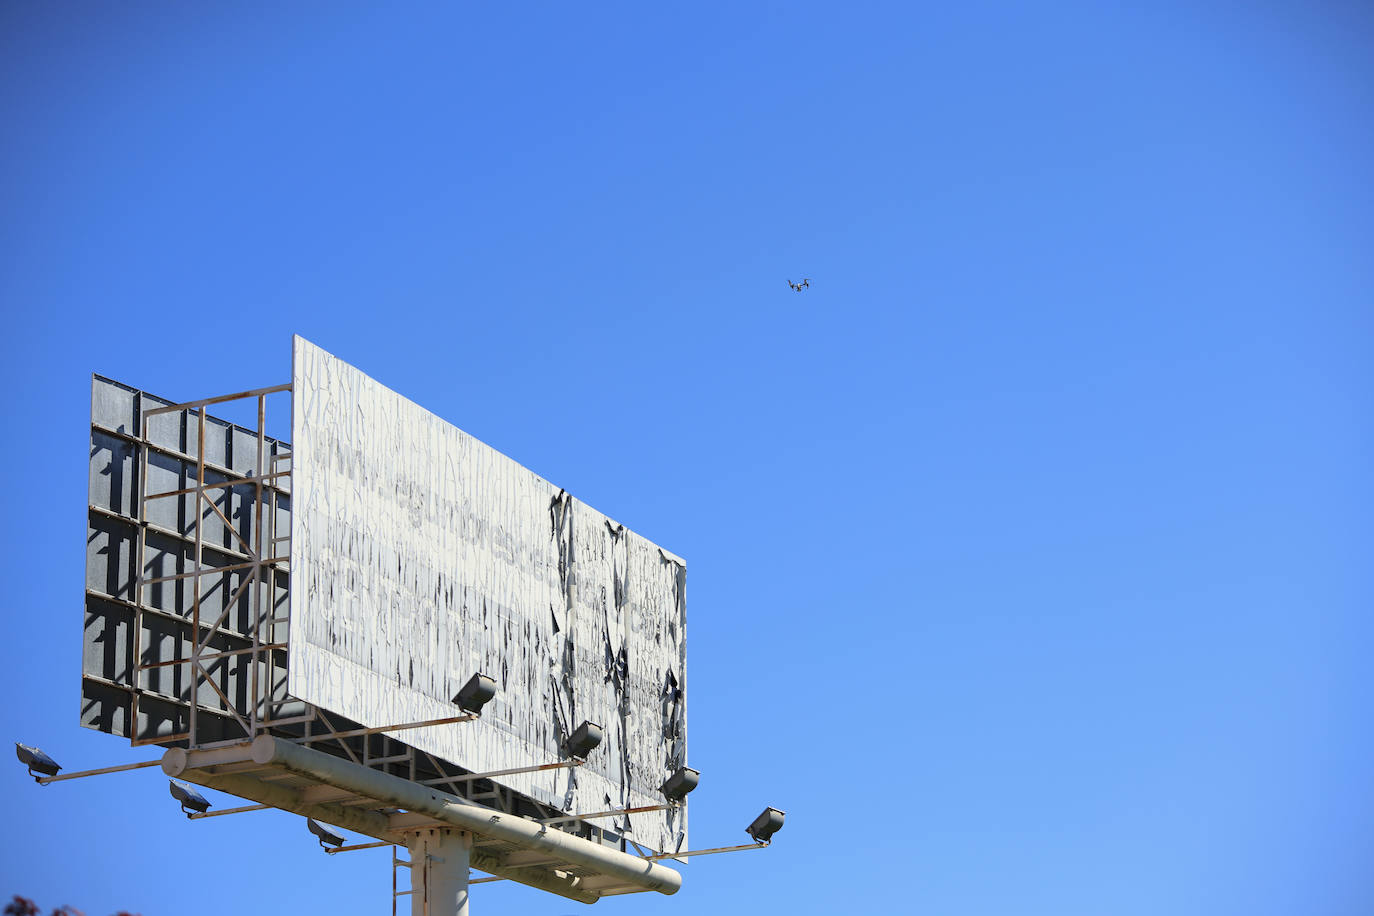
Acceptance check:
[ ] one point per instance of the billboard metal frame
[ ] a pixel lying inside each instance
(268, 746)
(258, 560)
(221, 757)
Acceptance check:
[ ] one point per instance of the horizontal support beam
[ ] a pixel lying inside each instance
(703, 852)
(165, 698)
(169, 452)
(100, 772)
(394, 758)
(221, 484)
(213, 570)
(357, 847)
(610, 813)
(241, 810)
(186, 539)
(353, 733)
(205, 402)
(214, 655)
(538, 768)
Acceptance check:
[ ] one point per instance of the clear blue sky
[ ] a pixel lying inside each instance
(1028, 548)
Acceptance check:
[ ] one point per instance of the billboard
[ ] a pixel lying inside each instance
(421, 556)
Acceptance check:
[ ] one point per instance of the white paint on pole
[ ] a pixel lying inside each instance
(420, 556)
(439, 867)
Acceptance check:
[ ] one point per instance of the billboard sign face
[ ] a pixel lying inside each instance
(421, 556)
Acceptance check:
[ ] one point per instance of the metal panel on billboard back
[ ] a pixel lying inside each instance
(421, 556)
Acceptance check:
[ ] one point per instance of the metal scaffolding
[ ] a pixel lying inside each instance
(264, 557)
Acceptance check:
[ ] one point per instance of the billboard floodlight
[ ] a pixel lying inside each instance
(35, 759)
(326, 836)
(475, 694)
(584, 740)
(677, 786)
(191, 801)
(765, 825)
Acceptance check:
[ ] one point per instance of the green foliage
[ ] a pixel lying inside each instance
(23, 906)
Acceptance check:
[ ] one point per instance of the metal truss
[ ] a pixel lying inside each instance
(264, 557)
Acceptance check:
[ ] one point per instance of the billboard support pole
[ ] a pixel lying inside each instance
(439, 862)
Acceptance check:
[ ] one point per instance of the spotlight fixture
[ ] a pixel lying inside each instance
(326, 836)
(35, 759)
(677, 786)
(584, 740)
(765, 825)
(475, 694)
(191, 801)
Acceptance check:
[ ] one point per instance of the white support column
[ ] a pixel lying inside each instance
(439, 872)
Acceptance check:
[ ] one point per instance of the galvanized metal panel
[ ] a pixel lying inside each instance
(420, 556)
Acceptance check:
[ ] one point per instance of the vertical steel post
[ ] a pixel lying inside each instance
(141, 572)
(439, 872)
(195, 580)
(260, 472)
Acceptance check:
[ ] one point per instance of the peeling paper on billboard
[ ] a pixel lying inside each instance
(420, 556)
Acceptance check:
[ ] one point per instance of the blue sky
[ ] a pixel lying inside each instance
(1028, 547)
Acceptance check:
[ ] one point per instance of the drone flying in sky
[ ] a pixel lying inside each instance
(797, 287)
